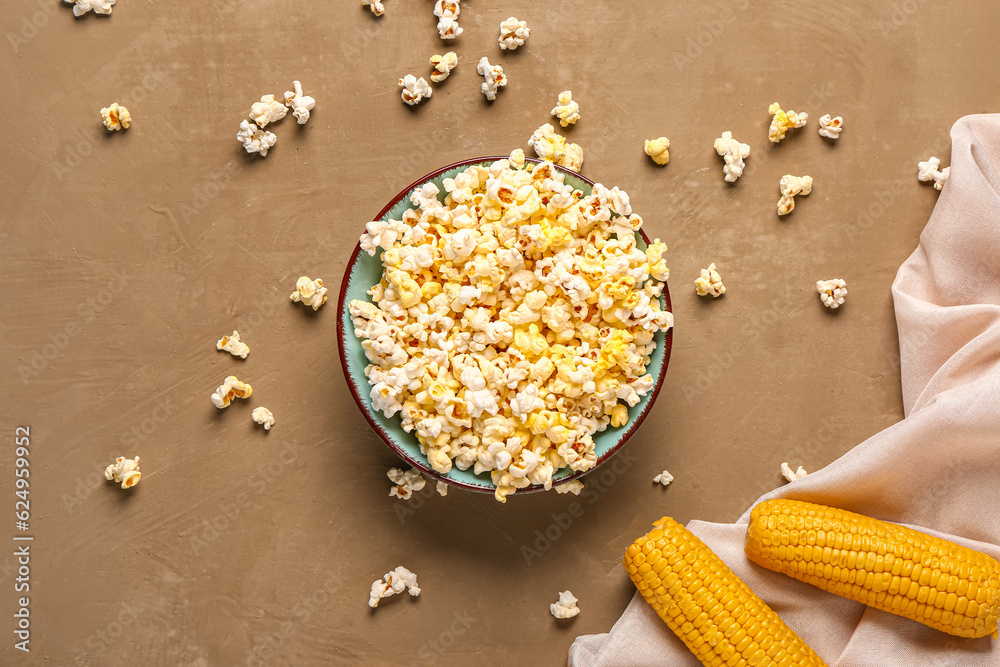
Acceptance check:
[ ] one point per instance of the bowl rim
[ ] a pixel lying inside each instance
(423, 466)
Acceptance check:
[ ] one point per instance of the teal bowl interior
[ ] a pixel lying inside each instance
(364, 271)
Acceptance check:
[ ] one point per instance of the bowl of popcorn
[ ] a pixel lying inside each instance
(505, 325)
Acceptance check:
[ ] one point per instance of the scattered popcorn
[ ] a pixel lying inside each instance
(442, 489)
(447, 12)
(516, 158)
(832, 292)
(495, 78)
(301, 104)
(567, 110)
(377, 7)
(553, 147)
(310, 292)
(116, 118)
(575, 487)
(734, 153)
(255, 140)
(791, 476)
(791, 186)
(233, 345)
(231, 388)
(928, 171)
(513, 33)
(393, 583)
(710, 282)
(830, 127)
(267, 111)
(514, 319)
(263, 416)
(784, 121)
(442, 66)
(123, 471)
(565, 607)
(657, 149)
(448, 28)
(81, 7)
(414, 89)
(663, 478)
(405, 483)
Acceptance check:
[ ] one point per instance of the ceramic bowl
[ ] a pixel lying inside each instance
(364, 271)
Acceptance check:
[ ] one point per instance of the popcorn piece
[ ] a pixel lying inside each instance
(231, 388)
(301, 104)
(734, 153)
(81, 7)
(377, 7)
(710, 282)
(448, 28)
(928, 171)
(790, 475)
(791, 186)
(495, 78)
(575, 487)
(832, 292)
(513, 33)
(405, 483)
(830, 127)
(447, 12)
(516, 158)
(233, 345)
(553, 147)
(414, 89)
(442, 489)
(255, 140)
(663, 478)
(263, 416)
(123, 471)
(267, 111)
(657, 149)
(443, 65)
(567, 110)
(393, 583)
(565, 607)
(116, 118)
(784, 121)
(310, 292)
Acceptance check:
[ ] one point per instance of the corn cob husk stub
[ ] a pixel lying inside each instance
(883, 565)
(713, 612)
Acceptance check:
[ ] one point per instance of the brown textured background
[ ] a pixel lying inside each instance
(244, 547)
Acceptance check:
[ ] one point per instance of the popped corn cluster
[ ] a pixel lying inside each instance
(263, 416)
(123, 471)
(565, 607)
(310, 292)
(830, 127)
(393, 583)
(377, 7)
(658, 149)
(513, 34)
(784, 121)
(791, 186)
(710, 282)
(510, 321)
(270, 110)
(414, 89)
(81, 7)
(404, 483)
(494, 77)
(230, 388)
(928, 171)
(443, 65)
(300, 103)
(255, 140)
(832, 292)
(734, 153)
(233, 345)
(553, 147)
(792, 475)
(566, 110)
(664, 478)
(447, 12)
(116, 117)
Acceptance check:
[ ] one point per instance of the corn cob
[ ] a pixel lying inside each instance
(715, 614)
(883, 565)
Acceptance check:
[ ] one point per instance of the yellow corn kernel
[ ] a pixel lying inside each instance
(713, 612)
(893, 568)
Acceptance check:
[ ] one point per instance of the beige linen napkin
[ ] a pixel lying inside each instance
(938, 470)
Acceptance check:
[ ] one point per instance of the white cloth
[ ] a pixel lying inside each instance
(938, 470)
